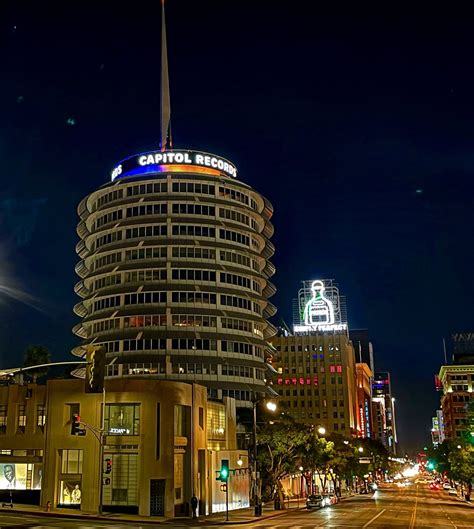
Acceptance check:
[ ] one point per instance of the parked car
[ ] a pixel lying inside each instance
(452, 491)
(446, 486)
(315, 501)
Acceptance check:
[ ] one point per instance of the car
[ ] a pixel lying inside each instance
(434, 486)
(315, 501)
(452, 491)
(446, 486)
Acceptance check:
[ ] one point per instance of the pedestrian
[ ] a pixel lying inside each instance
(194, 506)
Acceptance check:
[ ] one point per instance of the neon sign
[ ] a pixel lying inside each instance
(171, 162)
(319, 313)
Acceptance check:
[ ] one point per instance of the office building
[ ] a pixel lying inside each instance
(458, 388)
(164, 442)
(316, 379)
(437, 428)
(175, 274)
(364, 400)
(363, 347)
(382, 395)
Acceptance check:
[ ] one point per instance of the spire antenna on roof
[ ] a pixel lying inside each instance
(165, 107)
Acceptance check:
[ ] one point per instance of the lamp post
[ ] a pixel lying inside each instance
(271, 406)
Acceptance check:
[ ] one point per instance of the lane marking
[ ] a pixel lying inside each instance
(374, 518)
(413, 516)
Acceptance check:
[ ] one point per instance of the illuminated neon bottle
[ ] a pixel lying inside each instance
(319, 309)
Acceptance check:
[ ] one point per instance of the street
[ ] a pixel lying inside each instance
(390, 507)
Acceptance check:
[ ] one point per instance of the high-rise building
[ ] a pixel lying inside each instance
(458, 388)
(382, 391)
(364, 400)
(363, 348)
(175, 269)
(175, 273)
(437, 428)
(379, 420)
(316, 379)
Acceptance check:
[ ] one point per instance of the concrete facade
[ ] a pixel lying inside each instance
(157, 445)
(316, 380)
(174, 279)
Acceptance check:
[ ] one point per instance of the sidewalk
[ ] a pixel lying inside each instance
(240, 516)
(237, 517)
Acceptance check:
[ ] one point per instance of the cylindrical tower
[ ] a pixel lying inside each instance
(175, 273)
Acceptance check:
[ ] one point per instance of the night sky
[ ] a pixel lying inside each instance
(359, 128)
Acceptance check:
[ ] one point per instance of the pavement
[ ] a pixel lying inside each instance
(390, 507)
(236, 517)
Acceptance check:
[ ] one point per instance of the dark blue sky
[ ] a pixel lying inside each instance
(339, 118)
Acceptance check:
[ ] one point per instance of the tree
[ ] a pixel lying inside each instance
(438, 458)
(461, 460)
(278, 449)
(315, 457)
(36, 355)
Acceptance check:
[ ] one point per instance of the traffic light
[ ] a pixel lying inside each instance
(224, 472)
(108, 466)
(75, 425)
(95, 369)
(431, 465)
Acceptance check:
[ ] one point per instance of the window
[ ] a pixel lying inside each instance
(192, 252)
(71, 410)
(142, 189)
(193, 275)
(229, 235)
(3, 419)
(194, 209)
(193, 188)
(71, 462)
(157, 230)
(122, 419)
(193, 231)
(146, 209)
(22, 417)
(193, 320)
(41, 415)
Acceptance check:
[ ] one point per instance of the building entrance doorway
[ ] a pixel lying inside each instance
(157, 497)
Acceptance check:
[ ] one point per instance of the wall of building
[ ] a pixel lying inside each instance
(156, 445)
(22, 419)
(316, 379)
(458, 391)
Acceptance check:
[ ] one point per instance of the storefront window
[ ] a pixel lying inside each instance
(70, 492)
(122, 419)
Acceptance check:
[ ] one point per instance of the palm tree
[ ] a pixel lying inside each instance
(37, 355)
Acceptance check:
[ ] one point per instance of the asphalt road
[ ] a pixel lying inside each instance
(389, 508)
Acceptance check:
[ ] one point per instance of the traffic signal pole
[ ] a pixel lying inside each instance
(227, 500)
(101, 453)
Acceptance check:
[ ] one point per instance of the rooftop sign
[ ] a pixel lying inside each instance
(319, 308)
(148, 163)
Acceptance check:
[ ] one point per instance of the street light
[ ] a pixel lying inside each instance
(321, 430)
(301, 486)
(271, 406)
(346, 442)
(360, 449)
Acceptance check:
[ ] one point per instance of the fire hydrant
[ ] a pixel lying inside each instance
(48, 506)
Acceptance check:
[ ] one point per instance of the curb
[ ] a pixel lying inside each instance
(111, 518)
(252, 520)
(53, 514)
